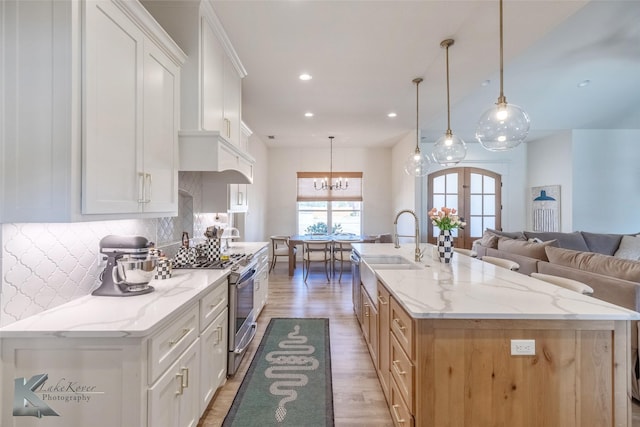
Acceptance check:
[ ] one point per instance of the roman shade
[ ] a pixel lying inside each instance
(307, 192)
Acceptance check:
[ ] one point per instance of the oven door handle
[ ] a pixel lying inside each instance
(246, 278)
(246, 339)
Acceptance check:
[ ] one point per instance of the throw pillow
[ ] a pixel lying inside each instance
(601, 243)
(629, 248)
(595, 263)
(573, 241)
(488, 240)
(510, 235)
(525, 248)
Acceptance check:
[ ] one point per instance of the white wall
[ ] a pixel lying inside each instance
(284, 163)
(606, 180)
(405, 188)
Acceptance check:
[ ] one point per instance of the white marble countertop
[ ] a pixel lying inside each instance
(135, 316)
(471, 289)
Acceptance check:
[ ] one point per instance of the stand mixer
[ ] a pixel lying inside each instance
(129, 267)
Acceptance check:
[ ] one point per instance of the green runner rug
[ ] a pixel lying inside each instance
(289, 380)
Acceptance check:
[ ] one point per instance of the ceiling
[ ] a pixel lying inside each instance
(363, 56)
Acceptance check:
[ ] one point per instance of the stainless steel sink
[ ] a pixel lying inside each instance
(385, 259)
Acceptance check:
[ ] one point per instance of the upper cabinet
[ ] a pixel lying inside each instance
(90, 110)
(211, 86)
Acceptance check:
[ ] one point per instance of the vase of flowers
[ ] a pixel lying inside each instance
(446, 219)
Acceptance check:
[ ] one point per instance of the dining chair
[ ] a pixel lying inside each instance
(316, 251)
(280, 248)
(501, 262)
(570, 284)
(385, 238)
(342, 254)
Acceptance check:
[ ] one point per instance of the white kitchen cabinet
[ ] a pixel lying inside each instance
(232, 104)
(87, 84)
(163, 374)
(221, 197)
(213, 363)
(261, 283)
(130, 149)
(174, 398)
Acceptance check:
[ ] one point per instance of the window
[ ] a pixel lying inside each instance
(329, 211)
(329, 217)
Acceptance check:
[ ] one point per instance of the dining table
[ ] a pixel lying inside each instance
(297, 239)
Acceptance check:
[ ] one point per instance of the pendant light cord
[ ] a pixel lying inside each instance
(448, 102)
(501, 98)
(417, 81)
(331, 163)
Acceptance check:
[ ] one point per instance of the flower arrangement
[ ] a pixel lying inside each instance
(446, 218)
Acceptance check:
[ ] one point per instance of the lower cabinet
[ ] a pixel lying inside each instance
(174, 398)
(165, 378)
(370, 325)
(213, 363)
(383, 339)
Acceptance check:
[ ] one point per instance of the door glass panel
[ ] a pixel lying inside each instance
(438, 184)
(452, 183)
(489, 185)
(476, 183)
(452, 201)
(438, 201)
(489, 205)
(490, 222)
(475, 207)
(475, 226)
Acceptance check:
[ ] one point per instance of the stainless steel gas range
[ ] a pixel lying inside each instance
(242, 315)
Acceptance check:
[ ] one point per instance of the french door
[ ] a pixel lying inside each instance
(476, 195)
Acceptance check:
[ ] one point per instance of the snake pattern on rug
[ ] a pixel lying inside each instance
(294, 356)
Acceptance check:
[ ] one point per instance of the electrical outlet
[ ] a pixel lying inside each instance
(523, 347)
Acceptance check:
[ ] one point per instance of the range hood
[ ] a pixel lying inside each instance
(209, 151)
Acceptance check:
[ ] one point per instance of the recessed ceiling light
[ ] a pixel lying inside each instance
(392, 115)
(305, 76)
(308, 114)
(584, 83)
(485, 83)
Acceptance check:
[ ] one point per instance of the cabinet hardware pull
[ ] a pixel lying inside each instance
(150, 180)
(185, 331)
(396, 414)
(185, 377)
(398, 324)
(381, 300)
(181, 385)
(397, 369)
(141, 189)
(219, 333)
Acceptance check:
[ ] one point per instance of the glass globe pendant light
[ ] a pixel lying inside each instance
(417, 164)
(449, 149)
(504, 126)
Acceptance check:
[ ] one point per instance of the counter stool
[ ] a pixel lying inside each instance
(501, 262)
(280, 247)
(570, 284)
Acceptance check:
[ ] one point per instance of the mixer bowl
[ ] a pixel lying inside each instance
(136, 272)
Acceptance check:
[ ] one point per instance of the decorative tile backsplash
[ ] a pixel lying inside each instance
(45, 265)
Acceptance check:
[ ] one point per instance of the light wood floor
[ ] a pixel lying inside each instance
(357, 397)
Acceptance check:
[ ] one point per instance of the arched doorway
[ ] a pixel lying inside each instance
(475, 193)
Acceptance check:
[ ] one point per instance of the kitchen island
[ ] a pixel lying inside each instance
(473, 344)
(151, 360)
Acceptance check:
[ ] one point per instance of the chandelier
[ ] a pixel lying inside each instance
(327, 183)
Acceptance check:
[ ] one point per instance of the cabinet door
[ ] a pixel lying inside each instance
(173, 399)
(112, 156)
(160, 140)
(383, 338)
(238, 197)
(261, 288)
(232, 102)
(213, 359)
(212, 79)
